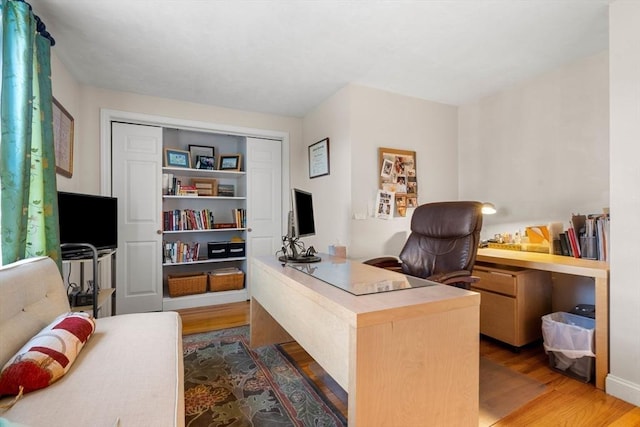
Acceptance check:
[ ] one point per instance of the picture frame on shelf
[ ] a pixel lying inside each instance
(200, 150)
(226, 190)
(205, 162)
(177, 158)
(230, 162)
(319, 159)
(63, 139)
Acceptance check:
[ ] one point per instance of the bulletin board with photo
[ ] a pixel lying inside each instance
(398, 176)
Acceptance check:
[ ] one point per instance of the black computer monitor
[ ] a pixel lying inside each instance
(303, 222)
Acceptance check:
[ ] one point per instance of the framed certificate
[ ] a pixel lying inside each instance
(319, 158)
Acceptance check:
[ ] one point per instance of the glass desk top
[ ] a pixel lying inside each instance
(360, 279)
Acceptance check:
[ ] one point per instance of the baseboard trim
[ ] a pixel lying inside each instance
(623, 389)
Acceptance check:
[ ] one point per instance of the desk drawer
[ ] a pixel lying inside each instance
(498, 317)
(495, 281)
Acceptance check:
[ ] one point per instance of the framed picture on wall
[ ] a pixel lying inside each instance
(398, 172)
(319, 158)
(63, 139)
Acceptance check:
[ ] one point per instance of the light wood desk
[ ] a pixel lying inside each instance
(598, 270)
(407, 357)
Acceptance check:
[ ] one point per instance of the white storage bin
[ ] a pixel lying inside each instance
(569, 341)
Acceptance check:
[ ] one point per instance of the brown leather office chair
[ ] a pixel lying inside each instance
(442, 245)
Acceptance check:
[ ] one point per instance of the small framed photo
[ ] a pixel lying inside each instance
(230, 162)
(200, 150)
(226, 190)
(176, 158)
(205, 162)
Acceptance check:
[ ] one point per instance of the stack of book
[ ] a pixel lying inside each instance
(187, 190)
(586, 237)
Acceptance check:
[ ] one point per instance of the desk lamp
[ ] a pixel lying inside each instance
(488, 208)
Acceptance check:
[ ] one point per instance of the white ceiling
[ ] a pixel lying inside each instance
(285, 57)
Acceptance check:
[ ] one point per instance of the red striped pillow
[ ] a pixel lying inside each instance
(48, 355)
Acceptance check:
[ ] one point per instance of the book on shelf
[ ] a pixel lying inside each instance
(573, 242)
(587, 237)
(597, 232)
(564, 244)
(224, 225)
(240, 217)
(167, 183)
(187, 219)
(180, 252)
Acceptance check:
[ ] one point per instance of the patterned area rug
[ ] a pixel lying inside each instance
(229, 385)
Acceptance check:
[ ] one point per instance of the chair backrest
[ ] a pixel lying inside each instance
(444, 238)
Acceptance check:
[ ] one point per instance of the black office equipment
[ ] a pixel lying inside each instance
(90, 219)
(301, 223)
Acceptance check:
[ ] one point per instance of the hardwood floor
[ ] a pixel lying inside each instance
(567, 402)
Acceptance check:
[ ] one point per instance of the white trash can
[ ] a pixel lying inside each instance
(569, 342)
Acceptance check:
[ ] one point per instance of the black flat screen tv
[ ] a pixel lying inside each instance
(86, 218)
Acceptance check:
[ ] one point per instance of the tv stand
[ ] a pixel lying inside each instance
(81, 252)
(300, 258)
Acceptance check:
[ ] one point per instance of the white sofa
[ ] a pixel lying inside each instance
(129, 373)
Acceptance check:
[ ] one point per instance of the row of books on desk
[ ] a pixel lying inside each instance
(586, 237)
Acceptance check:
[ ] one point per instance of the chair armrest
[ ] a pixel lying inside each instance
(386, 262)
(461, 279)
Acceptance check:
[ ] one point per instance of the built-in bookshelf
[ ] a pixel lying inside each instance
(204, 211)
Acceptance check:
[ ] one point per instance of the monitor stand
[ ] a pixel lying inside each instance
(291, 253)
(300, 258)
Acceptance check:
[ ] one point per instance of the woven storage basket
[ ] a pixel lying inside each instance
(187, 284)
(226, 282)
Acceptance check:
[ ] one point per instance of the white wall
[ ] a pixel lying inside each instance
(67, 91)
(383, 119)
(361, 120)
(539, 150)
(624, 296)
(331, 193)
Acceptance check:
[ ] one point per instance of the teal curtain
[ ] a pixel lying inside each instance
(28, 191)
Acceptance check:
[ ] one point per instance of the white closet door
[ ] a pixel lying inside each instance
(264, 198)
(137, 183)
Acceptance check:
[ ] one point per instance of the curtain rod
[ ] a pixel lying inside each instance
(40, 27)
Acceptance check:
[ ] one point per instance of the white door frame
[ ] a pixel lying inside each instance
(108, 115)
